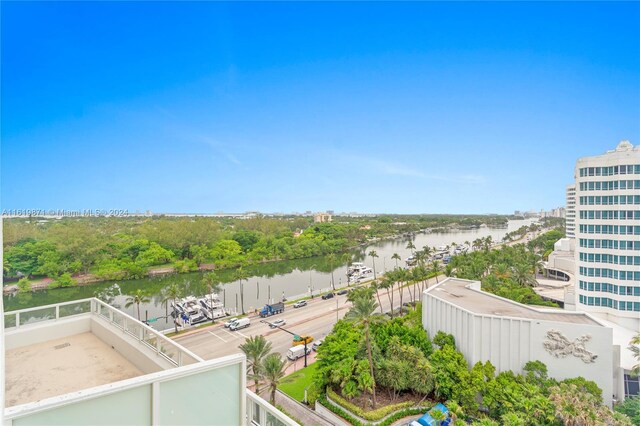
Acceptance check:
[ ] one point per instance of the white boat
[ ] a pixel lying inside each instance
(211, 302)
(359, 269)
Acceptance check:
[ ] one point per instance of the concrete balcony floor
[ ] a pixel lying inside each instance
(60, 366)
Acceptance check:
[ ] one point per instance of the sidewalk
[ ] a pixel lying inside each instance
(303, 414)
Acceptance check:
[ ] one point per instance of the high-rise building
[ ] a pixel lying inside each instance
(607, 225)
(570, 218)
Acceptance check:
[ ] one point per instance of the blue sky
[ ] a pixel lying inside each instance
(370, 107)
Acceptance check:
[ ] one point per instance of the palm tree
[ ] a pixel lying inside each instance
(522, 276)
(331, 257)
(634, 347)
(411, 246)
(348, 259)
(272, 372)
(255, 348)
(377, 286)
(212, 282)
(396, 256)
(373, 255)
(363, 313)
(403, 276)
(172, 293)
(435, 269)
(241, 275)
(137, 298)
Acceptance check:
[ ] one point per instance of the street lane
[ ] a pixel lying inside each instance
(316, 319)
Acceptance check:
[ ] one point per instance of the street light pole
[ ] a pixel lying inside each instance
(293, 334)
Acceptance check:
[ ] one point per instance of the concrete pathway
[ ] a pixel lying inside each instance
(307, 416)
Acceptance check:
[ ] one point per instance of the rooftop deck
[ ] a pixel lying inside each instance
(59, 366)
(457, 292)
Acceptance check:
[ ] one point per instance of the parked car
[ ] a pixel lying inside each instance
(341, 292)
(327, 296)
(300, 304)
(229, 323)
(316, 344)
(277, 323)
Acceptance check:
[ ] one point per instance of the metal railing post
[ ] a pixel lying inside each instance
(17, 319)
(57, 312)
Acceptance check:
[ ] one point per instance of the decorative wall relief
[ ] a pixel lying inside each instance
(560, 347)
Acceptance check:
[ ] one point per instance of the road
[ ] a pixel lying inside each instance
(316, 319)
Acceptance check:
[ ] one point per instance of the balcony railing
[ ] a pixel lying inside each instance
(261, 413)
(146, 335)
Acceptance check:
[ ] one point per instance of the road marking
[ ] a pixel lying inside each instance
(213, 334)
(229, 333)
(242, 334)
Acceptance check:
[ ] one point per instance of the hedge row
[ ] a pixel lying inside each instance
(373, 415)
(386, 422)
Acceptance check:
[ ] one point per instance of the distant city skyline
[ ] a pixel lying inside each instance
(281, 107)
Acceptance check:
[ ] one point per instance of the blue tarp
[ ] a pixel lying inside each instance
(427, 420)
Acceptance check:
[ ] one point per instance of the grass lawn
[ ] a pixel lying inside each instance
(295, 384)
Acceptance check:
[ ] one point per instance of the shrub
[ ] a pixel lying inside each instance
(371, 415)
(24, 285)
(386, 422)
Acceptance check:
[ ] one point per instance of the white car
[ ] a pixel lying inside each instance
(277, 323)
(316, 344)
(300, 304)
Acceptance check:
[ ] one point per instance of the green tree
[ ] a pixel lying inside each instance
(273, 370)
(373, 255)
(172, 293)
(256, 349)
(634, 347)
(24, 285)
(137, 298)
(411, 246)
(64, 280)
(211, 280)
(435, 269)
(581, 408)
(396, 257)
(331, 258)
(363, 314)
(631, 408)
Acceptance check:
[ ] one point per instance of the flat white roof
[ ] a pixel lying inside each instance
(458, 292)
(61, 366)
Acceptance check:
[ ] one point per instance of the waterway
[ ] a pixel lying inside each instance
(267, 282)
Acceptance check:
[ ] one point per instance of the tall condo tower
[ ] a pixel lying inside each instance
(607, 232)
(570, 215)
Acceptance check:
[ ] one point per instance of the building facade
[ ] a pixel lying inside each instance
(508, 334)
(607, 225)
(570, 212)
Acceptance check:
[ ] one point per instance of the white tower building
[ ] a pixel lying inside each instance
(607, 227)
(570, 215)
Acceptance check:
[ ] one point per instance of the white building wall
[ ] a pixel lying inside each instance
(509, 343)
(608, 249)
(570, 212)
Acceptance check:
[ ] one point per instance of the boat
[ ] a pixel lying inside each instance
(196, 310)
(410, 261)
(211, 302)
(357, 271)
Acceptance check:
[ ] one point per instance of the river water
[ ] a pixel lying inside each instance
(267, 282)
